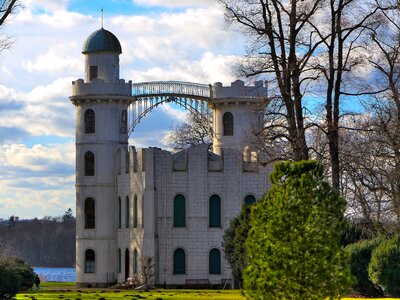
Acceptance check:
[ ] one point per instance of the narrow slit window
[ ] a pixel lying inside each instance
(89, 213)
(90, 261)
(93, 72)
(89, 164)
(227, 120)
(90, 119)
(124, 121)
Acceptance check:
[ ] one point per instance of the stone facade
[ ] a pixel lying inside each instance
(127, 198)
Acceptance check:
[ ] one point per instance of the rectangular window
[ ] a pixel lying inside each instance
(93, 72)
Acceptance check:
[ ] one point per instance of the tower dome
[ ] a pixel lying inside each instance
(101, 41)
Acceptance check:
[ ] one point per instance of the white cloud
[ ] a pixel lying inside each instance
(209, 69)
(45, 110)
(38, 157)
(56, 59)
(37, 180)
(174, 3)
(46, 5)
(177, 114)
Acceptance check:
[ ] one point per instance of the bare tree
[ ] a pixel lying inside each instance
(148, 270)
(281, 45)
(344, 39)
(196, 130)
(308, 49)
(7, 7)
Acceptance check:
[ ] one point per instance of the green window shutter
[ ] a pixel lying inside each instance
(179, 211)
(179, 261)
(215, 211)
(135, 213)
(250, 199)
(214, 261)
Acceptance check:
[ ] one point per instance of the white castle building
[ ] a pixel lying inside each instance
(135, 203)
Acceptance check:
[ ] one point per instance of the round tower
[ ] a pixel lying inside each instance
(101, 102)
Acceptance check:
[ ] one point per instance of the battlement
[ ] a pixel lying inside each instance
(237, 89)
(100, 87)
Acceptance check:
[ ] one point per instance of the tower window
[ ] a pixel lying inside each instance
(179, 211)
(119, 260)
(127, 223)
(89, 121)
(89, 164)
(89, 213)
(135, 212)
(227, 120)
(179, 261)
(214, 261)
(119, 212)
(93, 71)
(215, 211)
(124, 121)
(90, 261)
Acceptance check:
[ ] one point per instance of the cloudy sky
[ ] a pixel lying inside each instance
(161, 40)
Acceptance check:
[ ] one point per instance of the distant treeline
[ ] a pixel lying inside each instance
(47, 242)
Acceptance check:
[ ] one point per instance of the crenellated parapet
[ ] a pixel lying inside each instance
(100, 87)
(238, 90)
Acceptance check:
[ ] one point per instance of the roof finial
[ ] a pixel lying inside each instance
(102, 16)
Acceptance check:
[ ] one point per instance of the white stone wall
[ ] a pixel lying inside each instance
(104, 143)
(161, 184)
(107, 63)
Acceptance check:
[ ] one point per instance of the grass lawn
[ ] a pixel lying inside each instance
(67, 290)
(130, 294)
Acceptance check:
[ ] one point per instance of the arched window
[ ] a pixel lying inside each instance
(135, 261)
(124, 121)
(89, 213)
(119, 260)
(179, 261)
(127, 167)
(90, 261)
(179, 211)
(89, 164)
(135, 212)
(250, 199)
(127, 219)
(142, 210)
(227, 120)
(89, 121)
(215, 211)
(119, 212)
(214, 261)
(126, 264)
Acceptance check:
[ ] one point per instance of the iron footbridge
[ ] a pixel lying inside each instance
(193, 97)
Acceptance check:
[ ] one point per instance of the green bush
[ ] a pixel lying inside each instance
(234, 242)
(384, 268)
(355, 231)
(15, 275)
(360, 256)
(293, 246)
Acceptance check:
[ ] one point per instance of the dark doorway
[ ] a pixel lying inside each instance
(126, 264)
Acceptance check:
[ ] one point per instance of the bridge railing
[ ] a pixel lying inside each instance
(191, 89)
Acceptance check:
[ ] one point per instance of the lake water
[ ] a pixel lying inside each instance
(56, 274)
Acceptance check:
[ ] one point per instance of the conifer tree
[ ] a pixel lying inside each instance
(293, 246)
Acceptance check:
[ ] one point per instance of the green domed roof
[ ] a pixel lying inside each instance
(101, 40)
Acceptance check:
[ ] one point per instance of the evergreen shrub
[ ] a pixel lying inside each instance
(384, 268)
(15, 275)
(360, 257)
